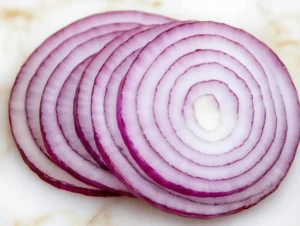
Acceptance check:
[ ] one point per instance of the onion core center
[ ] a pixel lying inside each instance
(206, 111)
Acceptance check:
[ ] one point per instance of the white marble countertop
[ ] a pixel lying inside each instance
(27, 201)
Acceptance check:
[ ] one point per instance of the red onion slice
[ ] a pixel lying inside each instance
(28, 148)
(275, 128)
(192, 175)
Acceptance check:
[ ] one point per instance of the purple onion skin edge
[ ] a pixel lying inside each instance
(65, 167)
(60, 185)
(81, 136)
(160, 206)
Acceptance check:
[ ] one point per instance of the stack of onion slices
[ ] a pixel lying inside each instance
(113, 103)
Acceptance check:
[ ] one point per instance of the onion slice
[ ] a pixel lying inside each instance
(29, 149)
(183, 172)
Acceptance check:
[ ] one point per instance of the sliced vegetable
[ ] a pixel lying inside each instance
(184, 172)
(121, 103)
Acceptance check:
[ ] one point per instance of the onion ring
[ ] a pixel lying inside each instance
(270, 140)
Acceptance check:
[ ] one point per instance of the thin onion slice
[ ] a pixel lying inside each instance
(182, 177)
(29, 149)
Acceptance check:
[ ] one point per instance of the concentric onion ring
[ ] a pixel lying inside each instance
(29, 149)
(182, 172)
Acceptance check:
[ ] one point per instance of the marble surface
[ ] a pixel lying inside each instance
(27, 201)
